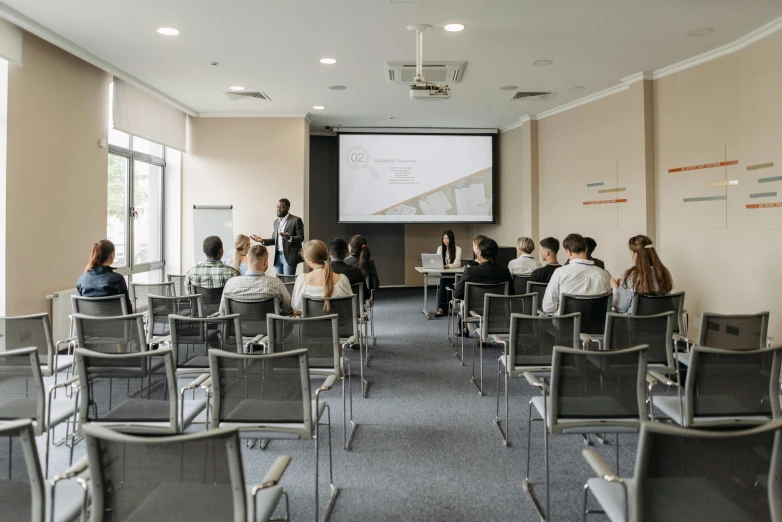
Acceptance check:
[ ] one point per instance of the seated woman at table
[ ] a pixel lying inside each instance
(452, 258)
(648, 275)
(321, 281)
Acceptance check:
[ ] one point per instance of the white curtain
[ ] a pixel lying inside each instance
(141, 114)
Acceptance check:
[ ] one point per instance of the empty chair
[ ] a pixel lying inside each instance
(731, 332)
(253, 316)
(25, 495)
(197, 477)
(199, 335)
(494, 323)
(591, 392)
(120, 334)
(140, 291)
(529, 348)
(160, 307)
(658, 304)
(210, 298)
(179, 283)
(687, 474)
(520, 284)
(593, 310)
(472, 307)
(33, 330)
(625, 331)
(726, 388)
(537, 288)
(268, 396)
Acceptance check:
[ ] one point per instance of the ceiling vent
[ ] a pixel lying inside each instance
(434, 72)
(521, 95)
(236, 96)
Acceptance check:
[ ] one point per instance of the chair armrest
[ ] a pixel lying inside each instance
(274, 474)
(201, 379)
(599, 466)
(76, 469)
(206, 384)
(350, 340)
(163, 340)
(65, 342)
(651, 380)
(586, 337)
(541, 313)
(659, 377)
(72, 380)
(533, 380)
(678, 337)
(473, 314)
(498, 339)
(258, 339)
(327, 384)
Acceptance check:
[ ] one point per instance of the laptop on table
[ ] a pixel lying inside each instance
(433, 261)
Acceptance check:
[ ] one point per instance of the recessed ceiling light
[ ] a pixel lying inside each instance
(391, 117)
(703, 31)
(237, 88)
(508, 88)
(577, 88)
(213, 64)
(542, 63)
(337, 87)
(318, 107)
(168, 31)
(454, 28)
(328, 61)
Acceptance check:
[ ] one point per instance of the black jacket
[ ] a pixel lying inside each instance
(291, 249)
(352, 273)
(372, 281)
(102, 281)
(487, 272)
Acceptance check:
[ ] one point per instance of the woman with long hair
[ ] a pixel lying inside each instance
(452, 258)
(321, 281)
(648, 275)
(241, 246)
(361, 256)
(99, 278)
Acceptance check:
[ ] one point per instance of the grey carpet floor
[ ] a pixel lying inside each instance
(426, 447)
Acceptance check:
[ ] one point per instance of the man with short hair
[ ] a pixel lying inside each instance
(580, 277)
(287, 239)
(525, 263)
(338, 251)
(591, 246)
(212, 273)
(255, 284)
(549, 247)
(486, 272)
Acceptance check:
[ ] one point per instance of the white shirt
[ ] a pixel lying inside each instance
(580, 277)
(452, 263)
(525, 264)
(341, 289)
(280, 230)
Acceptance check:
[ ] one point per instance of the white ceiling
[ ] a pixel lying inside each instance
(274, 46)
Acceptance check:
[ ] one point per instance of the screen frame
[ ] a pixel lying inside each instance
(495, 178)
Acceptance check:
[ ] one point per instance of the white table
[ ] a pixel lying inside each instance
(435, 273)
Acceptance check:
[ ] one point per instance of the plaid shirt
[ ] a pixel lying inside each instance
(256, 285)
(210, 274)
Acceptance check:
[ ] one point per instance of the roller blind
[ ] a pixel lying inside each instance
(10, 42)
(145, 116)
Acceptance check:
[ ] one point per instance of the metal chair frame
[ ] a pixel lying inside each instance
(139, 302)
(564, 301)
(470, 317)
(259, 338)
(194, 299)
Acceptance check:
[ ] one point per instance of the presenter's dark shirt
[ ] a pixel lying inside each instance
(544, 273)
(487, 272)
(102, 281)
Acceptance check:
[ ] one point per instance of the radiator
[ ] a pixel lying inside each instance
(61, 313)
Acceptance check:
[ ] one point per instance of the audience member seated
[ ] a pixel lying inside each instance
(591, 246)
(211, 273)
(241, 246)
(452, 258)
(361, 257)
(648, 275)
(580, 277)
(255, 284)
(549, 247)
(486, 272)
(475, 242)
(99, 278)
(322, 281)
(526, 263)
(338, 251)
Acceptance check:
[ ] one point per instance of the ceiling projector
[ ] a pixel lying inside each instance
(421, 89)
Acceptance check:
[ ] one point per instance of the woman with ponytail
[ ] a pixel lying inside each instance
(241, 246)
(321, 281)
(99, 278)
(648, 275)
(361, 257)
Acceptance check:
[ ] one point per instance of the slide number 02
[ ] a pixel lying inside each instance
(357, 158)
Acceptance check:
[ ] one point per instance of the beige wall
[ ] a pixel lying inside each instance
(56, 173)
(249, 163)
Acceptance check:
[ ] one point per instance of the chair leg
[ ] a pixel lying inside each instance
(617, 456)
(334, 490)
(497, 422)
(527, 485)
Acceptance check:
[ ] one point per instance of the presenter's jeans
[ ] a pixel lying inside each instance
(442, 295)
(281, 266)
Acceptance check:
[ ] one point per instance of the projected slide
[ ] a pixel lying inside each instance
(415, 178)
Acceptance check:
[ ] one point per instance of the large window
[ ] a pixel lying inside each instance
(135, 203)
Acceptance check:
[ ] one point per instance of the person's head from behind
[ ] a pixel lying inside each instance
(360, 250)
(241, 245)
(575, 246)
(283, 206)
(591, 246)
(258, 258)
(525, 245)
(477, 241)
(316, 255)
(549, 247)
(338, 249)
(648, 273)
(103, 253)
(213, 248)
(487, 250)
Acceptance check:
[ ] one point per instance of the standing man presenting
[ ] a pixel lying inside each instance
(287, 238)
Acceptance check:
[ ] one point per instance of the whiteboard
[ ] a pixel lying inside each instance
(212, 220)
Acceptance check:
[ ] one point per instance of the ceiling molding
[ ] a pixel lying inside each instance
(637, 77)
(302, 115)
(31, 26)
(583, 101)
(743, 42)
(413, 130)
(521, 121)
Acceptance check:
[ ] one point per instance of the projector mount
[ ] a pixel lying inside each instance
(419, 50)
(421, 89)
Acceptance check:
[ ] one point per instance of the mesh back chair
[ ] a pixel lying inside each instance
(320, 337)
(520, 284)
(22, 396)
(24, 493)
(655, 331)
(33, 330)
(731, 332)
(289, 286)
(659, 304)
(193, 337)
(160, 307)
(363, 319)
(140, 291)
(253, 316)
(537, 288)
(593, 310)
(179, 283)
(590, 392)
(452, 312)
(529, 348)
(120, 334)
(197, 477)
(268, 396)
(727, 388)
(210, 298)
(287, 278)
(495, 322)
(686, 474)
(472, 306)
(108, 306)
